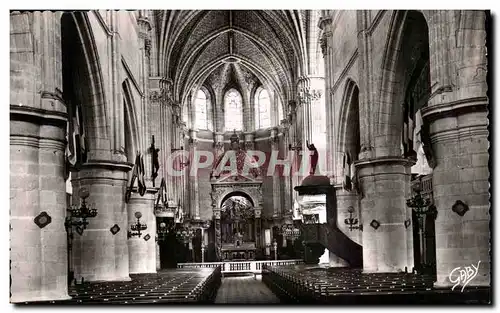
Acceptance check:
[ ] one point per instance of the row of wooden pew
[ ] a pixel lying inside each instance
(297, 284)
(166, 286)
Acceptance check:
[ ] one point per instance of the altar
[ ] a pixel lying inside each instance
(243, 252)
(237, 203)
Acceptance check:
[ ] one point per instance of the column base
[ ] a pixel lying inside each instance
(36, 297)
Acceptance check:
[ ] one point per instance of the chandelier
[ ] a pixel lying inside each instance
(135, 229)
(185, 234)
(290, 232)
(78, 215)
(418, 203)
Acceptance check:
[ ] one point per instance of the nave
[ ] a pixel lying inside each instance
(142, 141)
(292, 284)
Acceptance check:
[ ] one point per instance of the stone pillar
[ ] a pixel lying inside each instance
(296, 143)
(386, 240)
(142, 250)
(218, 235)
(460, 146)
(194, 199)
(39, 268)
(274, 140)
(258, 227)
(287, 180)
(458, 120)
(158, 260)
(346, 199)
(101, 252)
(38, 254)
(218, 145)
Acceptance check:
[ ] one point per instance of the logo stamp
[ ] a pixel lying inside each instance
(463, 275)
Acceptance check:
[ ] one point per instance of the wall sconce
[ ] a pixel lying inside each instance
(78, 215)
(137, 227)
(350, 220)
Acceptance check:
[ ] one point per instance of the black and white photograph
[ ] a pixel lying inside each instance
(249, 156)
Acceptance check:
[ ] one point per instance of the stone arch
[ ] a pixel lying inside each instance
(389, 113)
(348, 111)
(131, 128)
(237, 193)
(77, 36)
(223, 192)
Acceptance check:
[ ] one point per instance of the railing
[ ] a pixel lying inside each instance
(242, 266)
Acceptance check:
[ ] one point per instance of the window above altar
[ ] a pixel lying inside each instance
(233, 110)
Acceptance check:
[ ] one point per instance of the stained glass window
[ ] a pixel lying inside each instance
(262, 109)
(233, 110)
(202, 107)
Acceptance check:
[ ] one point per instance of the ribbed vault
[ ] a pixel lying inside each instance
(204, 47)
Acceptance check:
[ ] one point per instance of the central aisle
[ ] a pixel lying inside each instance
(244, 290)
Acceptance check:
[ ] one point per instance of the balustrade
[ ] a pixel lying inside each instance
(254, 267)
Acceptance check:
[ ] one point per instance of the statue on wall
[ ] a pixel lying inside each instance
(154, 158)
(314, 157)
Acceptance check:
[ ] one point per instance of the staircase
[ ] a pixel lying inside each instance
(333, 239)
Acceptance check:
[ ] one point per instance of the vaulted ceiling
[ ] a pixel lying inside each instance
(246, 46)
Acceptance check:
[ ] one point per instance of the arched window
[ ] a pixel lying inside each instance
(202, 107)
(233, 110)
(262, 109)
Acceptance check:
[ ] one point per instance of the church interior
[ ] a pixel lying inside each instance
(161, 156)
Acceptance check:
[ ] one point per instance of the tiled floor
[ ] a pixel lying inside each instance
(244, 290)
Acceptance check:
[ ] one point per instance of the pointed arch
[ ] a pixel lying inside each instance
(262, 108)
(348, 112)
(94, 100)
(131, 124)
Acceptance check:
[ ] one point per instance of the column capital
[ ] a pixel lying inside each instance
(390, 165)
(324, 21)
(257, 212)
(216, 213)
(108, 165)
(383, 160)
(40, 116)
(454, 108)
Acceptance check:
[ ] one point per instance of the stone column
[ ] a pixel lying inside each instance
(218, 145)
(101, 252)
(194, 199)
(142, 250)
(346, 199)
(287, 180)
(218, 235)
(296, 143)
(38, 240)
(274, 140)
(385, 184)
(458, 118)
(158, 260)
(460, 146)
(258, 229)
